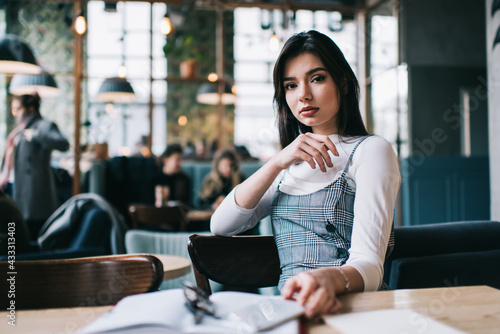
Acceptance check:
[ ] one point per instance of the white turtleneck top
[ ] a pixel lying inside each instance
(375, 177)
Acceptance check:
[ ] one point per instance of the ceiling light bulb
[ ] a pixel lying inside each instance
(166, 26)
(80, 25)
(213, 77)
(122, 71)
(274, 43)
(182, 121)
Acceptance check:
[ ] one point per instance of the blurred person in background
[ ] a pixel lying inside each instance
(173, 176)
(225, 175)
(26, 169)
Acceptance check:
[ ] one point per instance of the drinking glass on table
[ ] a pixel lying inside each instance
(162, 194)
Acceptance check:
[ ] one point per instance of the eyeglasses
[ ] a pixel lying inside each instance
(198, 302)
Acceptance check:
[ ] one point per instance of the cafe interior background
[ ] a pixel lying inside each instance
(428, 71)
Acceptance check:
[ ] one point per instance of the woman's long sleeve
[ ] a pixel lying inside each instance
(377, 178)
(230, 219)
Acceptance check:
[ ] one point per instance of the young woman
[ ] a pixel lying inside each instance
(330, 191)
(225, 175)
(26, 161)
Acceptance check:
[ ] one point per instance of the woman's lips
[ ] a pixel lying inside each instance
(308, 111)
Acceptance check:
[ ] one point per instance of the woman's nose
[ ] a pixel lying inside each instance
(304, 93)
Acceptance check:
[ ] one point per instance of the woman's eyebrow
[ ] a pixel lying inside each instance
(316, 69)
(308, 73)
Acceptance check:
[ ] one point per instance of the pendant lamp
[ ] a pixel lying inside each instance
(16, 56)
(208, 94)
(43, 83)
(116, 90)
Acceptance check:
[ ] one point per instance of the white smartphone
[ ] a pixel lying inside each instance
(266, 314)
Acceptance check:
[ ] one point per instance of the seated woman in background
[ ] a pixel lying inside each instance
(225, 175)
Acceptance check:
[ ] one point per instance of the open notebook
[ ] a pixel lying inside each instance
(165, 312)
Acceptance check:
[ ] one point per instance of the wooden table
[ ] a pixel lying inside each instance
(472, 309)
(174, 266)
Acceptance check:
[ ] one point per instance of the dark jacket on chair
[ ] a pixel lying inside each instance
(63, 224)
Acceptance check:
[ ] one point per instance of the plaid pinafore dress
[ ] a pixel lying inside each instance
(314, 230)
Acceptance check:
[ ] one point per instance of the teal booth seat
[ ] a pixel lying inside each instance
(444, 189)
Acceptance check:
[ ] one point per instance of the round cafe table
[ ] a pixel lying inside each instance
(174, 266)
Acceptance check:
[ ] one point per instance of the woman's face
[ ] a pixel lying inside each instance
(225, 167)
(311, 93)
(18, 111)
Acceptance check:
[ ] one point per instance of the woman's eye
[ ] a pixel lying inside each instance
(318, 78)
(290, 86)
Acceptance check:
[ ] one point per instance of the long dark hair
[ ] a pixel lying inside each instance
(349, 121)
(214, 181)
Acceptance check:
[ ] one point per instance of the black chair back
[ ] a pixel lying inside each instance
(240, 261)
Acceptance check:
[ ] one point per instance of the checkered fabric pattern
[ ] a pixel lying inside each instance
(314, 230)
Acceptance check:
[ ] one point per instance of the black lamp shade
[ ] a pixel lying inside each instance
(43, 83)
(208, 94)
(16, 56)
(117, 90)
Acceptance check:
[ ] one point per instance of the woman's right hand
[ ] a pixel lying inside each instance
(309, 147)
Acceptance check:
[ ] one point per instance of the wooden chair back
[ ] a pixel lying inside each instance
(89, 281)
(240, 261)
(165, 218)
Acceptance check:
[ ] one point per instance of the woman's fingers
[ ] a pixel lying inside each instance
(322, 302)
(315, 296)
(302, 284)
(308, 157)
(318, 147)
(327, 142)
(310, 148)
(319, 153)
(290, 287)
(317, 302)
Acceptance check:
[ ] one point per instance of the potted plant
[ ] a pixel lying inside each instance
(185, 49)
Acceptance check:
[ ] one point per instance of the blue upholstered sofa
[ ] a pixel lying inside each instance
(126, 180)
(445, 254)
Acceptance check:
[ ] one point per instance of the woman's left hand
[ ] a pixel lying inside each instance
(315, 290)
